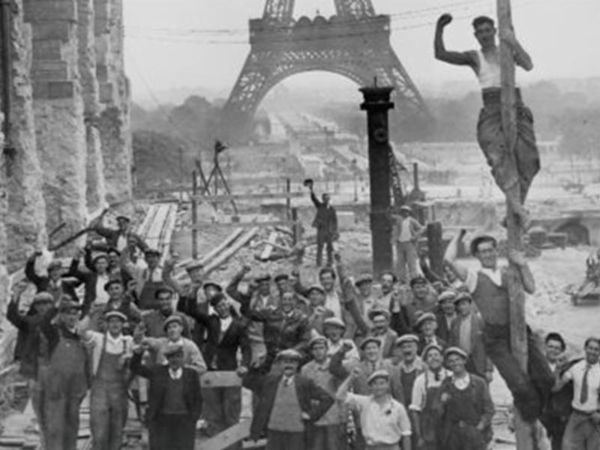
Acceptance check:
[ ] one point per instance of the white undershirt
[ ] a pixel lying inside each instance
(101, 295)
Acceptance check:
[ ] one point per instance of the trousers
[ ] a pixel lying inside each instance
(324, 239)
(581, 433)
(172, 432)
(530, 390)
(283, 440)
(108, 414)
(406, 260)
(329, 437)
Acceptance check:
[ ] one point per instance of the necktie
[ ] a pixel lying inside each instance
(584, 386)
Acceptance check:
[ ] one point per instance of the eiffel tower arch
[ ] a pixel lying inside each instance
(354, 43)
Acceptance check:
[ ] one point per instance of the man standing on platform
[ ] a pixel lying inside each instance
(485, 62)
(326, 224)
(406, 234)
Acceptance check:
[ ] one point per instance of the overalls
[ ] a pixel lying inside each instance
(108, 401)
(408, 381)
(65, 387)
(431, 417)
(461, 421)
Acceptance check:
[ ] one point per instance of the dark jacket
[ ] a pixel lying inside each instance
(443, 330)
(220, 352)
(42, 283)
(479, 363)
(115, 272)
(326, 218)
(313, 400)
(112, 237)
(28, 343)
(159, 376)
(283, 331)
(89, 279)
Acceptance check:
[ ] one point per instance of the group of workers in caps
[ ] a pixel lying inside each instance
(348, 362)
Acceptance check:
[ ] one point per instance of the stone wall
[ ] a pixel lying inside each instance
(55, 172)
(3, 213)
(26, 216)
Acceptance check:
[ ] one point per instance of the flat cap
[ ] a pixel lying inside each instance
(419, 279)
(173, 349)
(334, 321)
(163, 288)
(42, 297)
(289, 354)
(174, 318)
(118, 314)
(406, 208)
(55, 264)
(316, 287)
(99, 257)
(211, 283)
(447, 295)
(406, 338)
(463, 296)
(67, 305)
(373, 312)
(430, 347)
(424, 318)
(479, 239)
(455, 351)
(122, 217)
(368, 341)
(364, 278)
(378, 374)
(281, 276)
(112, 281)
(262, 277)
(317, 340)
(152, 252)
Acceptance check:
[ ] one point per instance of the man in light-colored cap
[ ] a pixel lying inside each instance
(411, 365)
(467, 405)
(446, 313)
(288, 403)
(329, 430)
(427, 326)
(406, 233)
(384, 422)
(333, 329)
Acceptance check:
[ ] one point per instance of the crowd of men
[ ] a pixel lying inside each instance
(348, 362)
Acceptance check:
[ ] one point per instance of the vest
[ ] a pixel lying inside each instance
(491, 300)
(174, 402)
(286, 414)
(489, 73)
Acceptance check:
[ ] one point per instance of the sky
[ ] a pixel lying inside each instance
(174, 44)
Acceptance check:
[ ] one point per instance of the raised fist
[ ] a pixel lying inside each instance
(444, 20)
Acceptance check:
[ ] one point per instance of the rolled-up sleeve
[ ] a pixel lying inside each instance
(418, 394)
(471, 280)
(404, 421)
(356, 401)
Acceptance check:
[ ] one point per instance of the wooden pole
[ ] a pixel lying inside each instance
(526, 433)
(288, 202)
(194, 215)
(435, 246)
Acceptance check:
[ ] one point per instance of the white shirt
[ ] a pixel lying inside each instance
(461, 383)
(332, 303)
(176, 374)
(121, 242)
(405, 235)
(115, 346)
(101, 294)
(494, 275)
(382, 424)
(225, 324)
(154, 275)
(489, 71)
(464, 333)
(423, 382)
(575, 373)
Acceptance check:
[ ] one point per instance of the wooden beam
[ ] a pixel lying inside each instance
(220, 379)
(228, 437)
(266, 196)
(526, 433)
(269, 247)
(232, 250)
(221, 247)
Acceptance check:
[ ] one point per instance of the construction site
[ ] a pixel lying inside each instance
(244, 201)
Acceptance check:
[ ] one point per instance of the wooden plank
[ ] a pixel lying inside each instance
(265, 196)
(220, 379)
(269, 247)
(228, 253)
(228, 437)
(268, 223)
(221, 247)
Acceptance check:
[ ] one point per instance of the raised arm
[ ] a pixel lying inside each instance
(450, 57)
(12, 310)
(232, 288)
(30, 270)
(314, 199)
(451, 257)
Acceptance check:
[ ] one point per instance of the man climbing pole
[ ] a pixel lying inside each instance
(513, 175)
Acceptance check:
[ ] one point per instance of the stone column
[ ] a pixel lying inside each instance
(114, 125)
(96, 188)
(26, 218)
(59, 110)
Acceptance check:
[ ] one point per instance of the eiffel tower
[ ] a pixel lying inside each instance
(354, 43)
